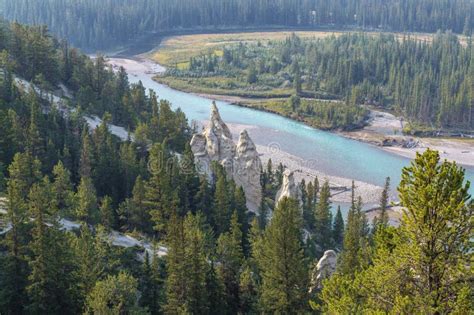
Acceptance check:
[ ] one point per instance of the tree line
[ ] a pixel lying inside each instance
(220, 258)
(101, 24)
(427, 82)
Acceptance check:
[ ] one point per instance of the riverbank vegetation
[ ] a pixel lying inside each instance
(425, 81)
(96, 24)
(216, 257)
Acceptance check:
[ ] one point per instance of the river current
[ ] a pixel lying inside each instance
(325, 151)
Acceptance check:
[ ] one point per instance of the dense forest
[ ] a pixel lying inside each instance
(101, 24)
(68, 189)
(429, 83)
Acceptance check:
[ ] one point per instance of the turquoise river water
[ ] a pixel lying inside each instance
(328, 152)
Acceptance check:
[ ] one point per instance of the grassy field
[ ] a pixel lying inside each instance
(221, 86)
(177, 50)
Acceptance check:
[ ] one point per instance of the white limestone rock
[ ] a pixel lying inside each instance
(324, 269)
(289, 187)
(247, 170)
(241, 162)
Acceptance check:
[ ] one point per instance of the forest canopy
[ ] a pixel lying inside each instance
(100, 24)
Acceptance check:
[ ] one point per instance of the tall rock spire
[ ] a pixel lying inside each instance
(247, 170)
(241, 162)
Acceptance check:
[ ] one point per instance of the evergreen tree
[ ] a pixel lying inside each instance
(86, 201)
(86, 160)
(106, 213)
(51, 256)
(240, 206)
(355, 239)
(150, 285)
(382, 219)
(248, 292)
(281, 262)
(186, 266)
(204, 199)
(196, 265)
(160, 196)
(115, 295)
(222, 207)
(93, 259)
(436, 198)
(230, 258)
(421, 266)
(338, 229)
(139, 216)
(215, 291)
(24, 172)
(323, 237)
(35, 142)
(62, 189)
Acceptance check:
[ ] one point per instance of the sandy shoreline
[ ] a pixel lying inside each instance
(385, 127)
(308, 170)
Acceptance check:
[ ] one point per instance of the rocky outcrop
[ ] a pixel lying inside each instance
(324, 269)
(240, 161)
(289, 187)
(247, 170)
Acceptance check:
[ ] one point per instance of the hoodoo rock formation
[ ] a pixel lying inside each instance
(324, 269)
(240, 161)
(289, 187)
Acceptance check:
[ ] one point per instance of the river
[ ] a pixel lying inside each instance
(327, 152)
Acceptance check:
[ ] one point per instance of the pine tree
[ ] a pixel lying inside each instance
(422, 266)
(282, 263)
(215, 291)
(323, 220)
(248, 292)
(86, 159)
(139, 216)
(240, 206)
(355, 239)
(175, 281)
(187, 266)
(24, 171)
(230, 258)
(107, 213)
(338, 229)
(35, 142)
(86, 199)
(51, 256)
(115, 295)
(297, 78)
(382, 219)
(93, 258)
(436, 198)
(150, 284)
(62, 188)
(160, 196)
(204, 199)
(222, 209)
(196, 264)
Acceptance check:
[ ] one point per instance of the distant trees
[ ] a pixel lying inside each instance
(98, 25)
(426, 82)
